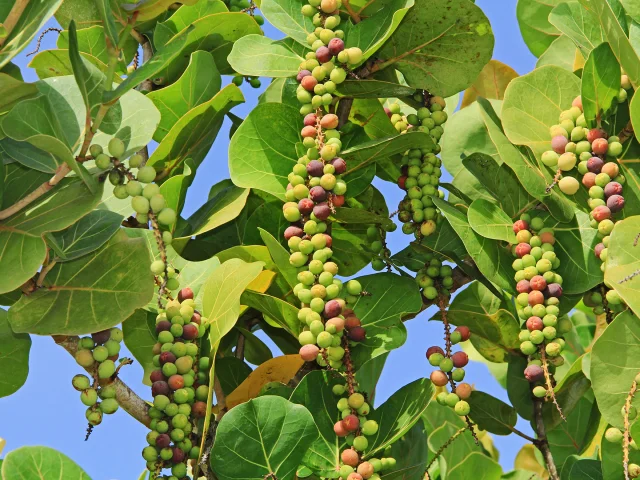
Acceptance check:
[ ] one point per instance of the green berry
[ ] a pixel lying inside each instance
(116, 147)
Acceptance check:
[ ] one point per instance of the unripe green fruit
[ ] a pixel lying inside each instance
(135, 160)
(94, 417)
(446, 365)
(569, 185)
(103, 161)
(100, 353)
(89, 397)
(157, 267)
(84, 358)
(157, 203)
(370, 427)
(539, 392)
(81, 382)
(550, 158)
(107, 391)
(150, 190)
(134, 188)
(95, 150)
(360, 443)
(462, 408)
(106, 369)
(146, 174)
(120, 192)
(116, 147)
(109, 406)
(140, 205)
(458, 374)
(167, 216)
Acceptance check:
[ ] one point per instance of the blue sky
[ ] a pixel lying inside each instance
(47, 410)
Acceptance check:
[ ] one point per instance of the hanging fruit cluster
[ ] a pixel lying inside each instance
(180, 387)
(99, 354)
(594, 153)
(376, 235)
(539, 291)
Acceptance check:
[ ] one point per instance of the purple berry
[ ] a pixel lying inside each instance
(322, 211)
(302, 74)
(594, 164)
(553, 290)
(615, 203)
(340, 165)
(305, 206)
(160, 388)
(612, 188)
(163, 325)
(336, 45)
(332, 309)
(534, 373)
(315, 168)
(323, 55)
(293, 231)
(318, 194)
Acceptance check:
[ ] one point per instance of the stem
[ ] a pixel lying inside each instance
(44, 271)
(543, 443)
(352, 13)
(442, 449)
(626, 133)
(12, 19)
(61, 172)
(240, 347)
(127, 398)
(547, 377)
(147, 53)
(626, 439)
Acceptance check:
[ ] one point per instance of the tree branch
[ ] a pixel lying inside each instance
(626, 133)
(127, 398)
(12, 19)
(61, 172)
(543, 443)
(343, 110)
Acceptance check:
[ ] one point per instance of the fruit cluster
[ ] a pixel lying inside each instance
(376, 235)
(179, 387)
(355, 428)
(420, 177)
(253, 81)
(594, 153)
(430, 118)
(98, 353)
(539, 291)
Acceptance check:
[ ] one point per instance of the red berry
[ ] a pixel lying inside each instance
(460, 359)
(559, 143)
(315, 168)
(308, 132)
(160, 388)
(596, 133)
(340, 165)
(434, 349)
(465, 333)
(175, 382)
(337, 200)
(101, 337)
(293, 231)
(178, 455)
(589, 179)
(439, 378)
(323, 55)
(196, 318)
(190, 332)
(340, 430)
(310, 120)
(351, 321)
(185, 294)
(388, 112)
(612, 188)
(322, 211)
(402, 182)
(520, 225)
(309, 82)
(598, 249)
(538, 283)
(577, 102)
(351, 423)
(350, 457)
(336, 45)
(332, 309)
(600, 146)
(163, 440)
(534, 323)
(600, 213)
(615, 203)
(162, 326)
(536, 298)
(328, 239)
(167, 357)
(302, 74)
(523, 249)
(553, 290)
(199, 409)
(547, 237)
(594, 164)
(309, 352)
(533, 373)
(357, 334)
(329, 121)
(318, 194)
(305, 206)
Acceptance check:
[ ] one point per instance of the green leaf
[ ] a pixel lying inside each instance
(569, 391)
(40, 462)
(213, 33)
(398, 414)
(140, 337)
(495, 330)
(623, 261)
(600, 84)
(348, 251)
(86, 235)
(560, 53)
(474, 463)
(491, 414)
(222, 291)
(392, 296)
(314, 392)
(371, 88)
(197, 85)
(533, 18)
(490, 221)
(579, 24)
(615, 361)
(358, 216)
(31, 21)
(89, 294)
(57, 63)
(21, 243)
(183, 17)
(445, 242)
(255, 350)
(411, 453)
(372, 32)
(195, 132)
(283, 313)
(280, 90)
(14, 91)
(464, 443)
(264, 436)
(280, 257)
(87, 77)
(152, 8)
(466, 134)
(533, 176)
(518, 387)
(174, 190)
(159, 61)
(262, 151)
(232, 372)
(287, 17)
(491, 259)
(446, 56)
(583, 468)
(26, 154)
(615, 35)
(257, 55)
(501, 182)
(108, 21)
(14, 357)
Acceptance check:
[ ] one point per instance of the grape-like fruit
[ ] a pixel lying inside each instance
(81, 382)
(146, 174)
(116, 147)
(106, 369)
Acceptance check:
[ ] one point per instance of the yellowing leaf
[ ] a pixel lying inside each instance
(526, 460)
(491, 83)
(260, 284)
(279, 369)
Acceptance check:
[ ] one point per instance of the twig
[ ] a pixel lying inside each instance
(626, 133)
(61, 172)
(441, 450)
(343, 110)
(127, 398)
(12, 19)
(240, 347)
(547, 377)
(163, 256)
(43, 273)
(352, 13)
(626, 439)
(543, 443)
(40, 37)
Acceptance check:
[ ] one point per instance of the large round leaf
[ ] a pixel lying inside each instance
(14, 357)
(265, 437)
(623, 262)
(533, 18)
(40, 462)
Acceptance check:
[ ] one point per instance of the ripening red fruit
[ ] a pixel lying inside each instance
(339, 429)
(167, 357)
(160, 388)
(196, 318)
(163, 440)
(302, 74)
(589, 179)
(351, 322)
(309, 352)
(305, 206)
(357, 334)
(463, 390)
(315, 168)
(337, 200)
(162, 326)
(199, 409)
(439, 378)
(322, 211)
(318, 194)
(402, 182)
(293, 231)
(310, 120)
(520, 225)
(523, 286)
(308, 83)
(460, 359)
(594, 164)
(185, 294)
(533, 373)
(534, 323)
(596, 133)
(351, 423)
(336, 322)
(465, 333)
(101, 337)
(323, 55)
(388, 112)
(332, 309)
(577, 102)
(350, 457)
(434, 349)
(600, 213)
(328, 239)
(190, 332)
(335, 45)
(523, 249)
(178, 455)
(329, 121)
(600, 146)
(536, 298)
(553, 290)
(598, 249)
(538, 283)
(308, 131)
(348, 312)
(615, 203)
(175, 382)
(156, 376)
(612, 188)
(559, 143)
(340, 165)
(547, 237)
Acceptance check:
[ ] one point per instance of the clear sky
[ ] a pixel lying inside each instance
(47, 410)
